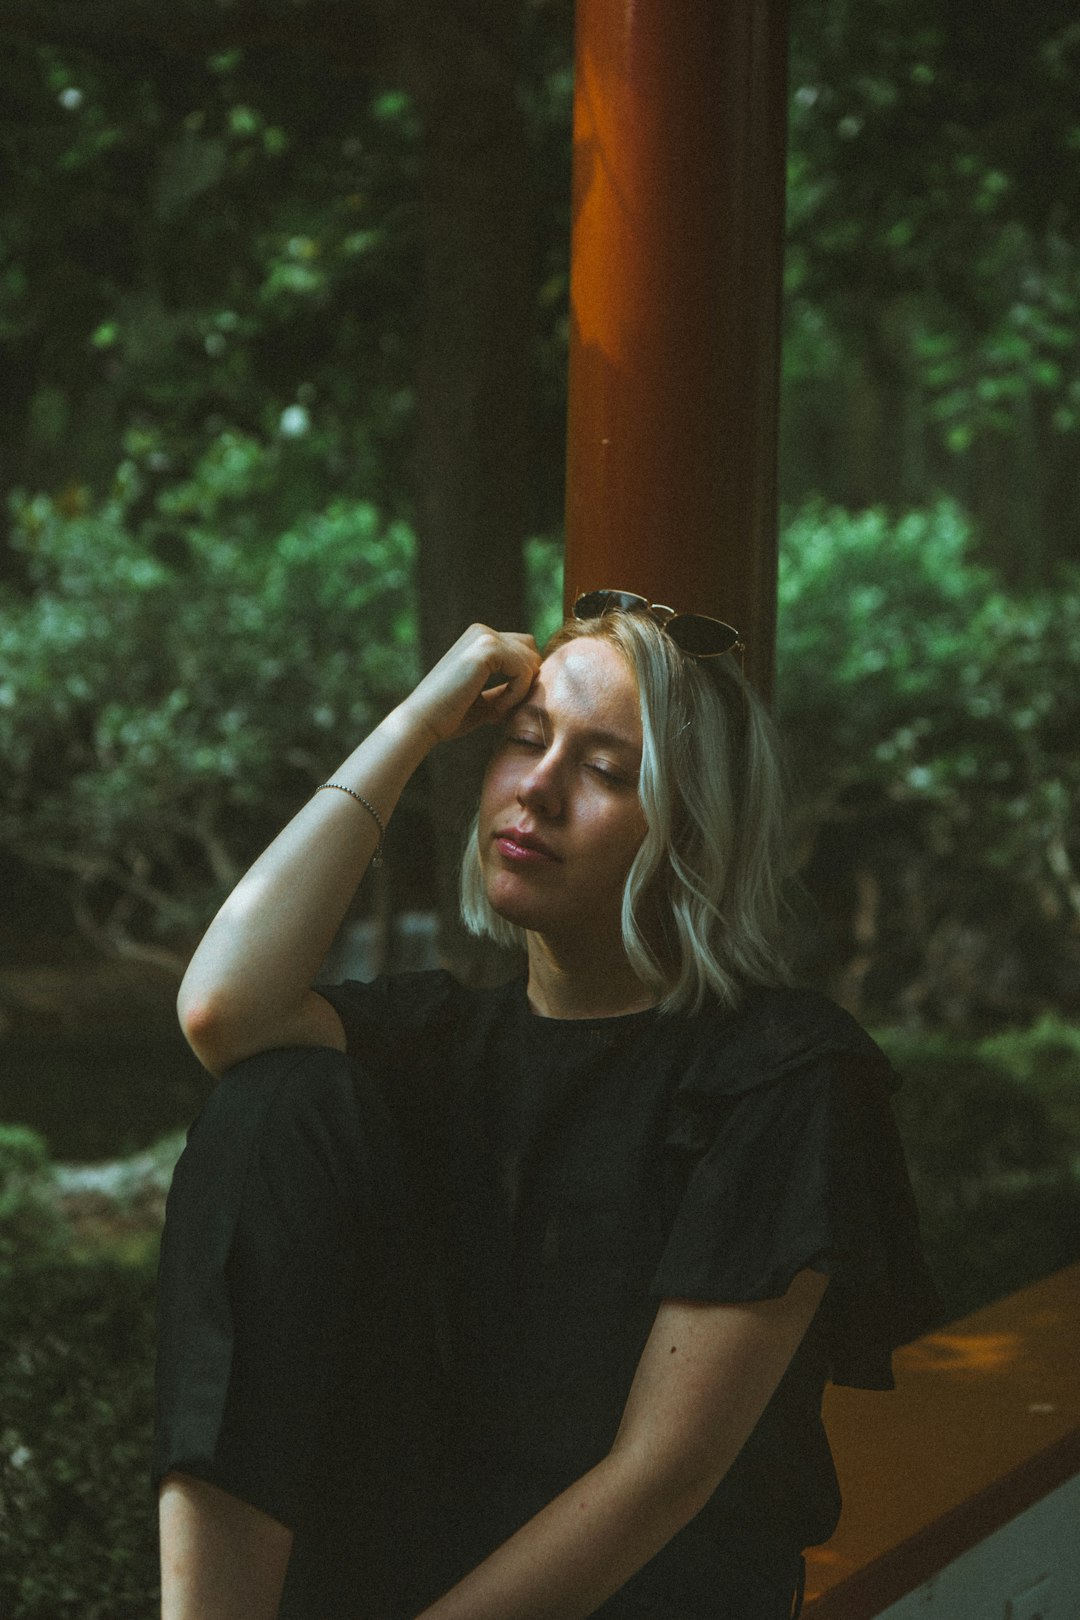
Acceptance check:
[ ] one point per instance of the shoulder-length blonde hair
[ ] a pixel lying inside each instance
(703, 903)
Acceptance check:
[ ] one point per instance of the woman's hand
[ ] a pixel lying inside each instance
(455, 696)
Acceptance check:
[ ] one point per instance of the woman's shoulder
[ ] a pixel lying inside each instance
(778, 1031)
(789, 1017)
(792, 1159)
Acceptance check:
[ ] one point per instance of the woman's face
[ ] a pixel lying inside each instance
(560, 818)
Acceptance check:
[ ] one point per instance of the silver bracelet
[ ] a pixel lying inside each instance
(376, 859)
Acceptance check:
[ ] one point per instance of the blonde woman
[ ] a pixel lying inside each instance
(501, 1304)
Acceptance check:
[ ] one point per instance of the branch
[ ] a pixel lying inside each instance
(193, 28)
(225, 870)
(118, 942)
(99, 869)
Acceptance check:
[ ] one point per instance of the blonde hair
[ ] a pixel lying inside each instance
(703, 902)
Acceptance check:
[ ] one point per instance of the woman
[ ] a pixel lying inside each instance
(520, 1302)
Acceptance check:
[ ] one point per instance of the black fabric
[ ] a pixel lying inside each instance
(579, 1171)
(508, 1197)
(296, 1364)
(796, 1162)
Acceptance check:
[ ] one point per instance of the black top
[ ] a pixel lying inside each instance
(577, 1172)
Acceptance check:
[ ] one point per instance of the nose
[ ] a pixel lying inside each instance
(540, 789)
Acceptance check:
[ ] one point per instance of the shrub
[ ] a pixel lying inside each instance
(30, 1228)
(1045, 1060)
(76, 1405)
(933, 722)
(991, 1163)
(177, 682)
(76, 1512)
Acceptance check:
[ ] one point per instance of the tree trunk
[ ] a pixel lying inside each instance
(472, 451)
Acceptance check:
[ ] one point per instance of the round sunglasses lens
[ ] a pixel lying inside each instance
(699, 636)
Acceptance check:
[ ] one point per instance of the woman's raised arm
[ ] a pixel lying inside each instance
(248, 986)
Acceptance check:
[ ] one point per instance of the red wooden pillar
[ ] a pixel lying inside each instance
(679, 151)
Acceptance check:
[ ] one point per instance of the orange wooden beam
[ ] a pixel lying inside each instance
(679, 150)
(985, 1422)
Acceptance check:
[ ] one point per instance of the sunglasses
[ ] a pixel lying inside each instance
(693, 633)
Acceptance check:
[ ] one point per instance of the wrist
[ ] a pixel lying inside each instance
(410, 728)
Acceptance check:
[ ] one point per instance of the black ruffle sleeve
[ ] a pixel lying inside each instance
(787, 1156)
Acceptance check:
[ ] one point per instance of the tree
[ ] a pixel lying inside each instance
(932, 718)
(330, 240)
(241, 262)
(162, 716)
(934, 277)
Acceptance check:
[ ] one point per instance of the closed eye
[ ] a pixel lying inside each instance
(610, 774)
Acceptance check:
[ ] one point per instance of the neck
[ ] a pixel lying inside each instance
(599, 984)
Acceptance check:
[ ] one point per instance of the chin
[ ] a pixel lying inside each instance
(517, 909)
(516, 900)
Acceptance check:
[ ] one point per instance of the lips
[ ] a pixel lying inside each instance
(518, 845)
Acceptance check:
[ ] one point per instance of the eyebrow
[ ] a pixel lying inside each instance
(596, 734)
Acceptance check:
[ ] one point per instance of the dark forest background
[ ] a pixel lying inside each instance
(283, 319)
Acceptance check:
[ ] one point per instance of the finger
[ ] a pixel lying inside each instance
(492, 695)
(519, 678)
(504, 666)
(501, 701)
(522, 671)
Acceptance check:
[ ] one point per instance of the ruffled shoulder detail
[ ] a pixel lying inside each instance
(784, 1154)
(774, 1033)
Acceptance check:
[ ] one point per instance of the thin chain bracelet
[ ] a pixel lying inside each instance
(376, 859)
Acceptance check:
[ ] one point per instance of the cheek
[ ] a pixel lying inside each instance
(494, 789)
(620, 842)
(498, 797)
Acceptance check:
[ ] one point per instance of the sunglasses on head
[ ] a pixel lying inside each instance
(693, 633)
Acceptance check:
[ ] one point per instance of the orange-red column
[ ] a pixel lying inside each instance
(679, 151)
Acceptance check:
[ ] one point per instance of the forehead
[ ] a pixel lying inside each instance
(589, 682)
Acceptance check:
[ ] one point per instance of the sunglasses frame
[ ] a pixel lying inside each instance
(601, 602)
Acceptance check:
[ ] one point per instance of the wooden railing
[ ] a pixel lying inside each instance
(983, 1428)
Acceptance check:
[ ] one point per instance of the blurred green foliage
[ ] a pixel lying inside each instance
(202, 242)
(76, 1409)
(29, 1224)
(1045, 1058)
(174, 686)
(927, 205)
(219, 226)
(77, 1534)
(933, 720)
(933, 272)
(178, 678)
(991, 1130)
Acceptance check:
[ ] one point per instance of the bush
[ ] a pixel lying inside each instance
(933, 722)
(992, 1163)
(1045, 1060)
(1008, 1239)
(179, 679)
(30, 1229)
(77, 1537)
